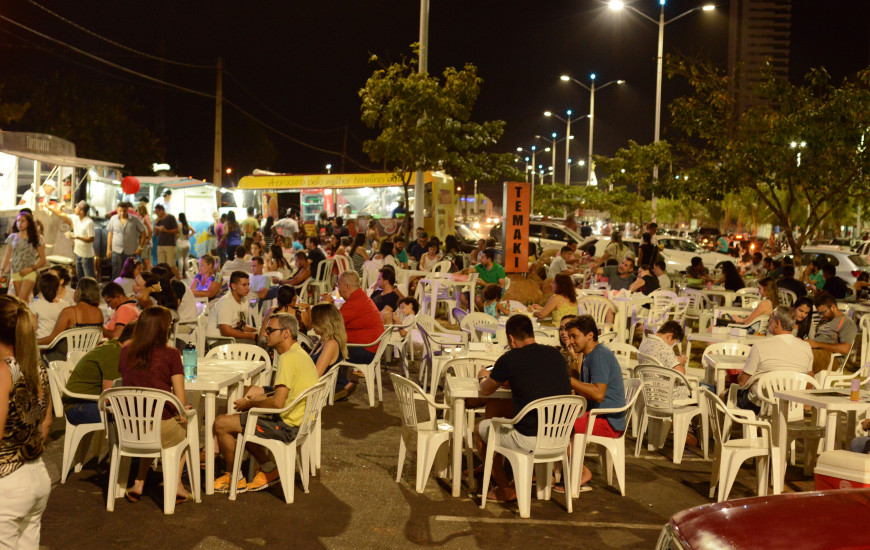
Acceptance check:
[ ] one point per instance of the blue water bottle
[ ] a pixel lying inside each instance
(188, 359)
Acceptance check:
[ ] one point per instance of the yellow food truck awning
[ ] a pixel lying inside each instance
(280, 182)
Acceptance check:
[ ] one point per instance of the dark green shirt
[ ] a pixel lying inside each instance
(101, 363)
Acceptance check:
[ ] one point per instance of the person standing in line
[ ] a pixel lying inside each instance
(25, 252)
(182, 245)
(142, 212)
(164, 201)
(82, 236)
(25, 405)
(166, 229)
(127, 237)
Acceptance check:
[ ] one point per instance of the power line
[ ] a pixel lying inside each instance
(181, 88)
(106, 61)
(119, 45)
(276, 113)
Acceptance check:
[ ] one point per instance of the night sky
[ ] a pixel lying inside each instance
(307, 61)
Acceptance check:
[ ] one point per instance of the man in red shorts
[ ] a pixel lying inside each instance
(600, 382)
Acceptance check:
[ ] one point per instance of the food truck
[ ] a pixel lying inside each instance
(38, 168)
(356, 197)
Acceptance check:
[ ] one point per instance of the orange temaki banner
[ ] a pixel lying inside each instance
(517, 207)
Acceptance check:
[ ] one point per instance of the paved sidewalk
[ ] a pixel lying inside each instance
(355, 502)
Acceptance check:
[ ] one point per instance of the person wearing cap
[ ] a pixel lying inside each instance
(164, 201)
(82, 237)
(166, 229)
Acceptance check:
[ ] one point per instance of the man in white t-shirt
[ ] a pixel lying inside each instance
(82, 236)
(782, 351)
(229, 318)
(659, 270)
(260, 284)
(560, 263)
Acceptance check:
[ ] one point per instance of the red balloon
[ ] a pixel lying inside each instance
(130, 185)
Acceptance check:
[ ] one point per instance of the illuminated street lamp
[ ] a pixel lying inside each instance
(568, 139)
(328, 168)
(618, 5)
(591, 89)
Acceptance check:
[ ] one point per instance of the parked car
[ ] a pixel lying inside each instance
(547, 235)
(849, 264)
(706, 236)
(676, 252)
(466, 236)
(814, 519)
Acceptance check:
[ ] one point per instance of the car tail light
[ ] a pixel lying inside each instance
(856, 272)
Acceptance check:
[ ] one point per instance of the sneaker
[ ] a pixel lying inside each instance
(222, 484)
(262, 480)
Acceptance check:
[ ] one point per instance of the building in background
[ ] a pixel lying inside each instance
(758, 30)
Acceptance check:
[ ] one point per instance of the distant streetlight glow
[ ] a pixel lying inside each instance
(567, 121)
(328, 168)
(229, 170)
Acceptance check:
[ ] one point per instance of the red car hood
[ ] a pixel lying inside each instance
(794, 521)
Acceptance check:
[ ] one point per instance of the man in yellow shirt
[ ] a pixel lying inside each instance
(295, 374)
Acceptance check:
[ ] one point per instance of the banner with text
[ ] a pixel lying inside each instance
(517, 206)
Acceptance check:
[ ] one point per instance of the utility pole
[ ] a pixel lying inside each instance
(344, 148)
(422, 67)
(218, 125)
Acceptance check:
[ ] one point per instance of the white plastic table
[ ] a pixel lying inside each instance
(833, 401)
(625, 306)
(459, 389)
(212, 376)
(720, 364)
(433, 284)
(718, 338)
(727, 296)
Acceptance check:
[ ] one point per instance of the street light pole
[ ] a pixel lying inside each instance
(591, 89)
(568, 152)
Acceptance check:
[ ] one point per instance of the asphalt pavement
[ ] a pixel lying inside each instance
(356, 503)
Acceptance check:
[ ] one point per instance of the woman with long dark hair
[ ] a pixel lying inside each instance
(453, 254)
(563, 301)
(286, 301)
(85, 313)
(358, 254)
(268, 236)
(769, 301)
(233, 232)
(182, 245)
(279, 263)
(166, 296)
(730, 278)
(148, 362)
(25, 252)
(803, 317)
(25, 405)
(131, 269)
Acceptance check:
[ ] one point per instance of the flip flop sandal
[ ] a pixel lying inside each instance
(182, 499)
(131, 496)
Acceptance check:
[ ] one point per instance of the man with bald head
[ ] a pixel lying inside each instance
(362, 322)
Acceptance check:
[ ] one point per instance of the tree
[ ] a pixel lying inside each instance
(11, 112)
(424, 123)
(800, 149)
(633, 167)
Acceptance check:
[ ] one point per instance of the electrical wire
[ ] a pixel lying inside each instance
(119, 45)
(106, 61)
(276, 113)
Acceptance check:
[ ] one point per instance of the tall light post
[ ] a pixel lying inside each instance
(532, 152)
(591, 89)
(618, 5)
(568, 138)
(552, 148)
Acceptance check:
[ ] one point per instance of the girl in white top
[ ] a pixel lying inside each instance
(432, 257)
(47, 307)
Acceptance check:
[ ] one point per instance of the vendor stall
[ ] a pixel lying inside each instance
(357, 198)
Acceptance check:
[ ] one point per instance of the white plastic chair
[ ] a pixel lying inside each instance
(321, 283)
(244, 352)
(372, 370)
(79, 341)
(759, 324)
(329, 378)
(597, 307)
(724, 348)
(556, 417)
(786, 296)
(749, 297)
(700, 309)
(403, 345)
(659, 385)
(658, 312)
(811, 434)
(473, 322)
(441, 267)
(611, 450)
(729, 455)
(58, 375)
(428, 436)
(137, 416)
(285, 453)
(467, 367)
